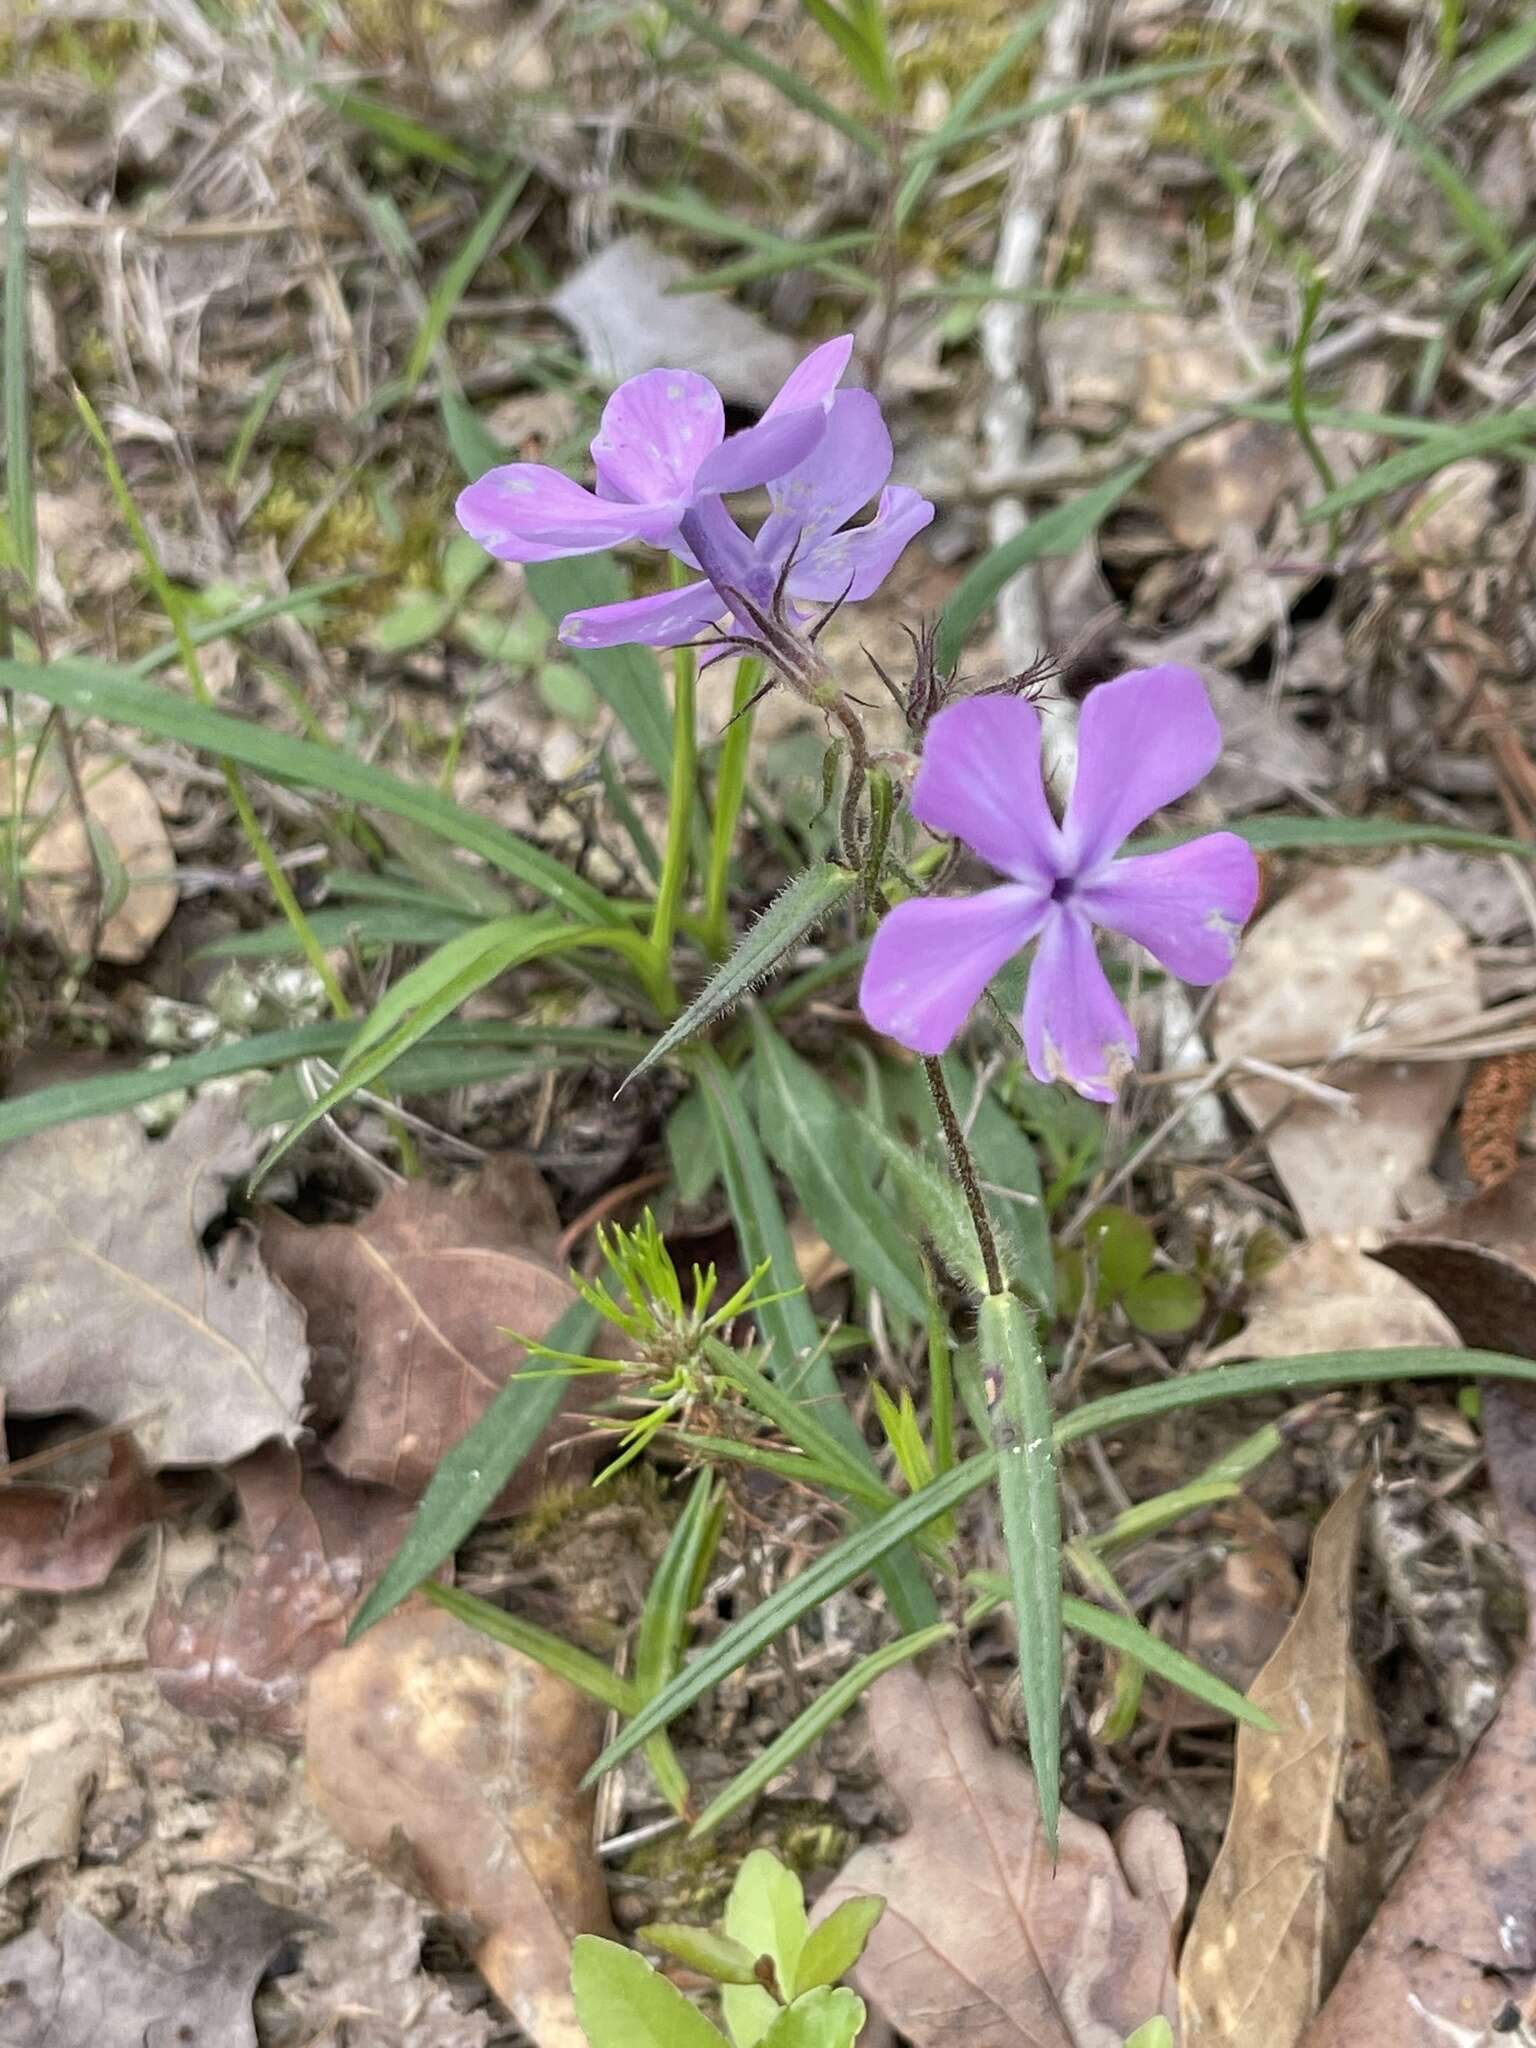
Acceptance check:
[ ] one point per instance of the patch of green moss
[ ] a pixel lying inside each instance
(954, 44)
(688, 1880)
(352, 534)
(100, 52)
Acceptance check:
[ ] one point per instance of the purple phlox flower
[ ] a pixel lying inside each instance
(805, 542)
(1145, 739)
(660, 451)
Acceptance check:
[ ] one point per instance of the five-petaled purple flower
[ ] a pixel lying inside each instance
(1145, 739)
(663, 462)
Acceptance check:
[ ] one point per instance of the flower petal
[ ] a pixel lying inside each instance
(932, 957)
(757, 454)
(813, 381)
(1143, 740)
(1074, 1028)
(1186, 906)
(855, 562)
(980, 781)
(527, 513)
(656, 430)
(843, 472)
(665, 620)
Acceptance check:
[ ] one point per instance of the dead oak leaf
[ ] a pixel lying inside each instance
(109, 1303)
(456, 1765)
(131, 861)
(420, 1295)
(1347, 951)
(83, 1987)
(982, 1944)
(1291, 1887)
(1329, 1295)
(66, 1539)
(241, 1656)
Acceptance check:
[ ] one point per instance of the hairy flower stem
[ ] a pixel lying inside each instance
(965, 1172)
(858, 775)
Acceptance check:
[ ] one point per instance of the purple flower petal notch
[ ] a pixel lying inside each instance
(1145, 739)
(661, 450)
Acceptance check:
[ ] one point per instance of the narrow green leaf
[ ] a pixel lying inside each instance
(1055, 533)
(807, 902)
(826, 2018)
(254, 419)
(808, 1726)
(936, 1202)
(836, 1944)
(368, 929)
(402, 132)
(1030, 1498)
(662, 1635)
(924, 158)
(1154, 2034)
(812, 1133)
(1006, 1161)
(21, 504)
(1120, 1633)
(1484, 436)
(691, 1151)
(100, 691)
(1485, 66)
(441, 969)
(623, 2003)
(306, 601)
(460, 273)
(1473, 215)
(473, 1473)
(818, 255)
(513, 943)
(588, 1674)
(854, 1554)
(700, 1948)
(788, 1327)
(866, 52)
(1135, 78)
(793, 87)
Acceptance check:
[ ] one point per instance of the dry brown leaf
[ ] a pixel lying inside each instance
(62, 1539)
(82, 1987)
(420, 1295)
(62, 892)
(982, 1945)
(46, 1808)
(241, 1655)
(1478, 1261)
(1343, 950)
(1330, 1296)
(362, 1977)
(1292, 1885)
(456, 1765)
(109, 1303)
(1450, 1960)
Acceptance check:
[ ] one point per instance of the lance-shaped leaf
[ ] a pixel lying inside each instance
(806, 903)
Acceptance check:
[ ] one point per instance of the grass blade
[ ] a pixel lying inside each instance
(1281, 834)
(793, 88)
(255, 416)
(1030, 1499)
(459, 275)
(788, 1326)
(100, 691)
(859, 1551)
(1055, 533)
(813, 1722)
(812, 1134)
(1485, 66)
(200, 632)
(807, 902)
(1135, 78)
(820, 255)
(401, 132)
(1478, 222)
(21, 504)
(924, 158)
(474, 1472)
(1485, 436)
(588, 1674)
(866, 53)
(663, 1632)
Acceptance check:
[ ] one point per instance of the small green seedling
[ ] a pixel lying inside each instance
(777, 1974)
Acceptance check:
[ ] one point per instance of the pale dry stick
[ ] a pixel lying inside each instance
(1008, 332)
(309, 1082)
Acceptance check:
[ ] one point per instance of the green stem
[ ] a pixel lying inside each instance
(175, 611)
(730, 788)
(685, 756)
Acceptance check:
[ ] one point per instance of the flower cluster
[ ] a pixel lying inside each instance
(1145, 739)
(664, 462)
